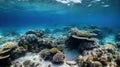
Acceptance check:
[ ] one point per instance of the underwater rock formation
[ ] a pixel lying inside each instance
(71, 63)
(105, 56)
(81, 40)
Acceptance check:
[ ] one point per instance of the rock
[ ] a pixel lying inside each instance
(26, 63)
(17, 64)
(71, 63)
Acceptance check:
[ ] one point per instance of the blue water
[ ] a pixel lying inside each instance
(31, 13)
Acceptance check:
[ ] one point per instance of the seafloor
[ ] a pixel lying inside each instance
(67, 46)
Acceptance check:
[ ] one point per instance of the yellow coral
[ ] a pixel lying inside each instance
(80, 59)
(43, 52)
(112, 64)
(2, 51)
(4, 57)
(25, 46)
(103, 60)
(9, 44)
(110, 47)
(89, 59)
(96, 64)
(54, 50)
(82, 33)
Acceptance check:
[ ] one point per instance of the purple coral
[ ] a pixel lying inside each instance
(58, 58)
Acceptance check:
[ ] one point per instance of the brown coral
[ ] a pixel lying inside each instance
(54, 50)
(8, 45)
(110, 48)
(45, 54)
(96, 64)
(58, 58)
(81, 40)
(118, 60)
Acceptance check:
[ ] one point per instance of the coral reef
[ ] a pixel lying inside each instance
(38, 33)
(6, 52)
(37, 48)
(81, 40)
(110, 48)
(47, 54)
(34, 41)
(105, 56)
(9, 45)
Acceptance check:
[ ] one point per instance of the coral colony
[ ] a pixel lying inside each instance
(36, 48)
